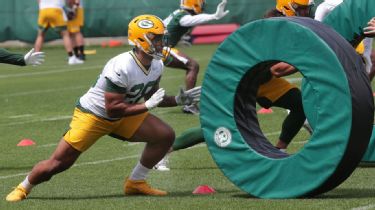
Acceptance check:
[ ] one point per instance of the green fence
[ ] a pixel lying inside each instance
(110, 17)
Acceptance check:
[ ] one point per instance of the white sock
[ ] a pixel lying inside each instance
(139, 172)
(26, 184)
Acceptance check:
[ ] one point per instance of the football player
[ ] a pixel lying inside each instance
(31, 58)
(273, 91)
(75, 13)
(287, 8)
(279, 92)
(364, 48)
(51, 15)
(181, 22)
(114, 107)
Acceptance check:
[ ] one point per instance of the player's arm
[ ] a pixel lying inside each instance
(31, 58)
(282, 69)
(11, 58)
(193, 20)
(369, 31)
(184, 97)
(115, 105)
(168, 101)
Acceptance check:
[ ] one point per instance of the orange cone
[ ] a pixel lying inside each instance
(114, 43)
(25, 143)
(203, 190)
(265, 111)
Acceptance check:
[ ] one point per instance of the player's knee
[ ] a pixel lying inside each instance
(167, 137)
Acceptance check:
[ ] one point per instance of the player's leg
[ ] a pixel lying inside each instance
(79, 39)
(85, 130)
(159, 137)
(43, 25)
(188, 138)
(39, 40)
(59, 22)
(292, 100)
(74, 28)
(78, 45)
(63, 158)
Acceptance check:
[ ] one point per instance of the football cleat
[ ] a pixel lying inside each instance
(162, 165)
(73, 60)
(18, 194)
(140, 187)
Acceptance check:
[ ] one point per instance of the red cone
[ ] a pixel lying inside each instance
(265, 111)
(25, 143)
(114, 43)
(203, 190)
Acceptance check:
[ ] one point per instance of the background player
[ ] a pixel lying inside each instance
(180, 22)
(75, 13)
(51, 15)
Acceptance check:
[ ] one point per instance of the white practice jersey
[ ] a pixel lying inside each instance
(325, 8)
(51, 4)
(127, 73)
(333, 2)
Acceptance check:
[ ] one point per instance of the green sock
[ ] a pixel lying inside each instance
(188, 139)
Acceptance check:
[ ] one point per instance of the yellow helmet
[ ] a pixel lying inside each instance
(195, 5)
(143, 31)
(293, 7)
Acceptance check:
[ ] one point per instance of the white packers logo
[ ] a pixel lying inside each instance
(222, 137)
(146, 24)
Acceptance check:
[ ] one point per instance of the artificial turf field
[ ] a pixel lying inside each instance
(37, 103)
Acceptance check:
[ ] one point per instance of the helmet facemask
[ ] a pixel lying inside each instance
(301, 10)
(156, 44)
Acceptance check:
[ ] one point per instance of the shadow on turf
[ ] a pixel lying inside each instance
(195, 168)
(116, 196)
(348, 193)
(12, 168)
(335, 194)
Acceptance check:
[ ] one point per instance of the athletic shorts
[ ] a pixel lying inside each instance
(74, 26)
(52, 18)
(274, 89)
(360, 48)
(86, 128)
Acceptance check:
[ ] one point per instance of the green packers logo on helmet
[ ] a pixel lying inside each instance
(145, 24)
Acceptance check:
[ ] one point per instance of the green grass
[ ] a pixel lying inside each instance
(37, 102)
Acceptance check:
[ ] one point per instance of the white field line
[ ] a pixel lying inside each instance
(122, 158)
(371, 206)
(62, 70)
(36, 92)
(20, 116)
(130, 144)
(49, 119)
(54, 144)
(78, 165)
